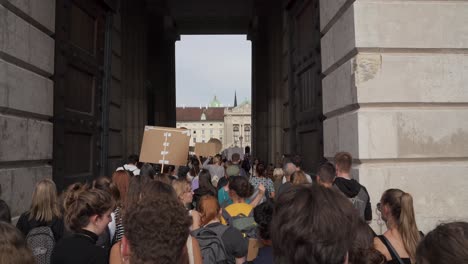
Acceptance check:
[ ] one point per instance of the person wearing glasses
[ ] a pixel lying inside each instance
(398, 244)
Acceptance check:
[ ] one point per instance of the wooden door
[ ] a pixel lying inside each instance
(79, 59)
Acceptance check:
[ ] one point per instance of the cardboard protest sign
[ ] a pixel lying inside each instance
(218, 144)
(205, 149)
(165, 145)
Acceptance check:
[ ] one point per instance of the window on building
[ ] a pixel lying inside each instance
(211, 131)
(220, 131)
(203, 132)
(194, 140)
(247, 133)
(235, 129)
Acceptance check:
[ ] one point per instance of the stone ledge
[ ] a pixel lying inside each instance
(42, 11)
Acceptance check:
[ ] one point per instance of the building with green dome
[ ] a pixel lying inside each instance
(215, 102)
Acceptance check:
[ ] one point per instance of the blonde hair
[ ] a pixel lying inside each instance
(44, 204)
(180, 187)
(13, 248)
(298, 177)
(401, 207)
(278, 173)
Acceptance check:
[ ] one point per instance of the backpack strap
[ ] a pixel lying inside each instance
(226, 216)
(390, 249)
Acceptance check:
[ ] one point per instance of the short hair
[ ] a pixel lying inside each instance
(446, 244)
(208, 207)
(312, 224)
(241, 186)
(326, 172)
(298, 177)
(235, 157)
(157, 188)
(343, 161)
(133, 159)
(13, 248)
(147, 170)
(157, 230)
(297, 161)
(289, 168)
(263, 213)
(81, 203)
(5, 214)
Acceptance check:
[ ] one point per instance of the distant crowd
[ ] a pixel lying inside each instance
(221, 209)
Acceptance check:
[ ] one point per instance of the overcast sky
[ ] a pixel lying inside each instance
(209, 65)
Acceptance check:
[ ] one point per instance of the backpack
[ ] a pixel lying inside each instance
(41, 241)
(244, 223)
(211, 244)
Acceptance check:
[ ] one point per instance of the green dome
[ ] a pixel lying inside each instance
(215, 102)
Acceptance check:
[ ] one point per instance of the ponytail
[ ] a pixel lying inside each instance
(407, 227)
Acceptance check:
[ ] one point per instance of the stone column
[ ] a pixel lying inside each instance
(26, 98)
(396, 97)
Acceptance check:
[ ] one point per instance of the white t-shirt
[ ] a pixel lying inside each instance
(129, 167)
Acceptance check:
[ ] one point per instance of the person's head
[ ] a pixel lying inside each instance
(362, 248)
(397, 211)
(343, 163)
(182, 172)
(13, 248)
(157, 188)
(204, 180)
(240, 187)
(326, 174)
(134, 189)
(367, 256)
(260, 169)
(183, 191)
(209, 209)
(44, 204)
(5, 213)
(217, 159)
(446, 244)
(263, 213)
(163, 177)
(247, 150)
(278, 173)
(297, 161)
(156, 231)
(312, 224)
(235, 158)
(121, 180)
(133, 159)
(298, 177)
(88, 209)
(147, 170)
(289, 168)
(105, 183)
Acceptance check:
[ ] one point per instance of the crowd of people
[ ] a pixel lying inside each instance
(219, 210)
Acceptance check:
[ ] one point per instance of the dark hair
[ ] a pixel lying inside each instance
(297, 161)
(133, 159)
(263, 213)
(157, 188)
(343, 161)
(182, 172)
(235, 157)
(326, 172)
(204, 181)
(241, 186)
(195, 168)
(157, 230)
(260, 169)
(147, 170)
(81, 203)
(13, 248)
(401, 208)
(247, 150)
(5, 214)
(312, 224)
(105, 183)
(367, 256)
(163, 177)
(134, 189)
(363, 244)
(446, 244)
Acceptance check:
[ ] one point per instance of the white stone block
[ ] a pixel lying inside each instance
(25, 139)
(42, 11)
(341, 134)
(438, 188)
(25, 91)
(25, 42)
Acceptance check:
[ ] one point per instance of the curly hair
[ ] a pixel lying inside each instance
(241, 186)
(263, 214)
(157, 230)
(13, 248)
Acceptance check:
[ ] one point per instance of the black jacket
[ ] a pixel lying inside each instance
(79, 248)
(25, 225)
(357, 194)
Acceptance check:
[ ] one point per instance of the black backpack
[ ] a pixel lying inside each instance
(211, 244)
(41, 241)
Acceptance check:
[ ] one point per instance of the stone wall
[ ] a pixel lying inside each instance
(26, 97)
(396, 97)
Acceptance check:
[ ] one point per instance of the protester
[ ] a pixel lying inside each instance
(297, 160)
(231, 249)
(205, 187)
(260, 178)
(326, 174)
(298, 177)
(87, 214)
(312, 225)
(121, 179)
(285, 184)
(402, 235)
(236, 161)
(447, 244)
(194, 169)
(13, 248)
(184, 193)
(131, 166)
(263, 215)
(216, 169)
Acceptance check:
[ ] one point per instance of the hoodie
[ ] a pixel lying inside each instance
(357, 194)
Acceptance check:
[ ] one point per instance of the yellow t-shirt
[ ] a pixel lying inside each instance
(236, 209)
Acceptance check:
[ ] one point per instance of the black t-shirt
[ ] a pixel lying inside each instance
(79, 248)
(25, 225)
(234, 242)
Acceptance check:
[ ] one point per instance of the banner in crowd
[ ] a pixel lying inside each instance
(206, 149)
(165, 145)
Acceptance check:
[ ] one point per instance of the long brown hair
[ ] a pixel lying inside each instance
(44, 204)
(208, 208)
(121, 179)
(401, 207)
(13, 248)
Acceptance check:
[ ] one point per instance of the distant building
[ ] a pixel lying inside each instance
(230, 125)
